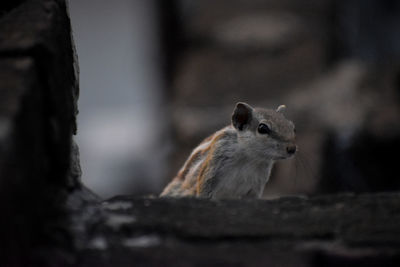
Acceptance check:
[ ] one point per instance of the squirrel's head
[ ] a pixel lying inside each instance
(265, 132)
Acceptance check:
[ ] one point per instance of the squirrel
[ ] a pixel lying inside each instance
(236, 161)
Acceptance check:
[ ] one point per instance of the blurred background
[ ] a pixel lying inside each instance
(158, 76)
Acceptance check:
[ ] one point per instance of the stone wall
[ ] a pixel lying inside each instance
(38, 94)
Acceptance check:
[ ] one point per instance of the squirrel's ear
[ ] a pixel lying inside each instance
(281, 109)
(242, 116)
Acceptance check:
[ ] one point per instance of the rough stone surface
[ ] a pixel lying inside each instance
(38, 91)
(295, 231)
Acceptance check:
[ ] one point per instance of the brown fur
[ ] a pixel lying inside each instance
(201, 178)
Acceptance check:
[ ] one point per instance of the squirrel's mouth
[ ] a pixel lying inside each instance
(286, 156)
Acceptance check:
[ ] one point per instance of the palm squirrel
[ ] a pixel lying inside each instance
(236, 161)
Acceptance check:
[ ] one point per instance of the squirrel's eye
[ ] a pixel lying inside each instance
(263, 129)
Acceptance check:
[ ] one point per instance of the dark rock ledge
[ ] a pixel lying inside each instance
(292, 231)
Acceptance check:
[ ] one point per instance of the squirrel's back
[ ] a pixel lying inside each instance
(195, 174)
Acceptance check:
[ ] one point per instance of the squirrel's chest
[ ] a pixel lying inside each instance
(245, 179)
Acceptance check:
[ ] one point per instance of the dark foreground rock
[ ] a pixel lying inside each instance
(294, 231)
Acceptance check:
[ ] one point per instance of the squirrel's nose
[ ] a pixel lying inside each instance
(291, 149)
